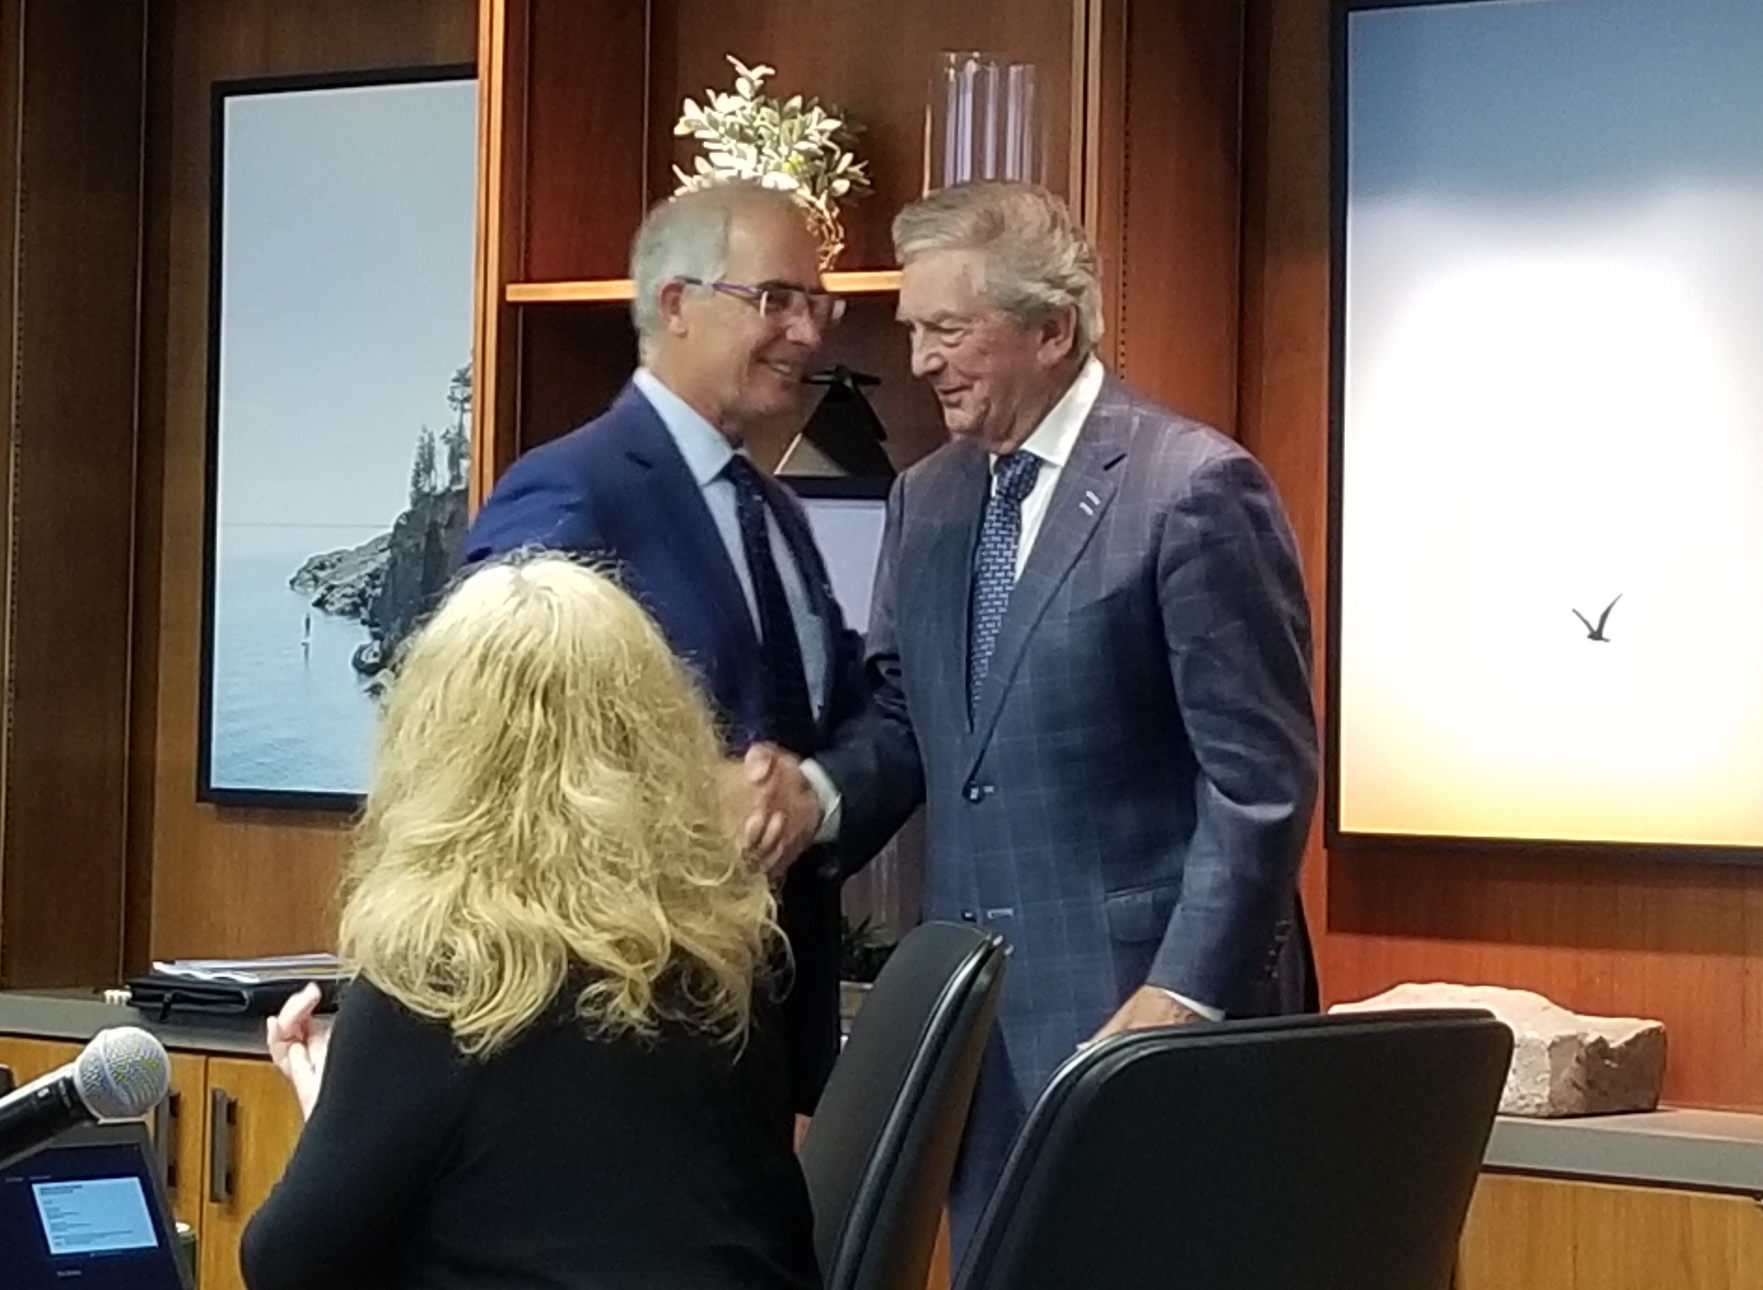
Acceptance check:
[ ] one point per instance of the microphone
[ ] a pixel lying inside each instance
(121, 1075)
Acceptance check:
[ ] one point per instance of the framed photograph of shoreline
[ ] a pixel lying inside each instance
(1546, 455)
(339, 413)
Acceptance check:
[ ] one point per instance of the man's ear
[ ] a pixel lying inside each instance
(1058, 334)
(670, 302)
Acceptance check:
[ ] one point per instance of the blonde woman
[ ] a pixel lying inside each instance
(559, 1064)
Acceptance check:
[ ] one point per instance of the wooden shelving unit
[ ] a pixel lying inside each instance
(617, 290)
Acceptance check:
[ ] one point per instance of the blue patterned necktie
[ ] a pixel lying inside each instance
(789, 710)
(994, 563)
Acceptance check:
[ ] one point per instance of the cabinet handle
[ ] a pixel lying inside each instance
(222, 1114)
(165, 1120)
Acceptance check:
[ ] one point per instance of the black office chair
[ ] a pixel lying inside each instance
(1298, 1153)
(881, 1147)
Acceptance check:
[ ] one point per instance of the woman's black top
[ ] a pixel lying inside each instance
(565, 1160)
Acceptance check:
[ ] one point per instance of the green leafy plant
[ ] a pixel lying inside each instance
(863, 948)
(794, 145)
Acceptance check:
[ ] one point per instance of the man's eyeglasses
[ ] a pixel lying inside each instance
(781, 303)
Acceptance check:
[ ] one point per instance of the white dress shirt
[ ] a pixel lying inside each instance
(707, 452)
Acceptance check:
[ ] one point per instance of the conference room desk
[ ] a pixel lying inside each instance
(226, 1130)
(1668, 1200)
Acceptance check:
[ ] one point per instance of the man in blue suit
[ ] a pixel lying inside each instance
(729, 314)
(1090, 650)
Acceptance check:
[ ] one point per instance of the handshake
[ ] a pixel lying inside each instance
(776, 804)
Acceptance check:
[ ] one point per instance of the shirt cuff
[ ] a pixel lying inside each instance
(831, 802)
(1204, 1010)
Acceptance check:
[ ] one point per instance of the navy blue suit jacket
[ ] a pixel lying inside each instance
(617, 490)
(1130, 801)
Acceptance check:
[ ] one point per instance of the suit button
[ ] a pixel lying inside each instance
(967, 916)
(976, 793)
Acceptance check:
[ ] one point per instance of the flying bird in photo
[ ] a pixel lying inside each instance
(1597, 633)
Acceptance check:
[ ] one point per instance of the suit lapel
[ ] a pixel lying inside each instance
(678, 500)
(958, 505)
(1082, 493)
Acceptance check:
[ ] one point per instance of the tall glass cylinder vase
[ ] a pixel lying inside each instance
(984, 120)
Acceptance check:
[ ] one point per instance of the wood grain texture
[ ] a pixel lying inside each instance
(187, 1157)
(73, 273)
(601, 290)
(871, 61)
(231, 882)
(586, 126)
(501, 190)
(1530, 1233)
(266, 1125)
(1180, 188)
(28, 1059)
(1616, 934)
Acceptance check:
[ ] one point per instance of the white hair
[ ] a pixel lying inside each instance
(686, 236)
(1037, 257)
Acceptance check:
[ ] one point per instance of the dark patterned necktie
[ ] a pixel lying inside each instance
(994, 563)
(788, 709)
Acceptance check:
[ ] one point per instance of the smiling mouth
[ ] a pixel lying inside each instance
(789, 371)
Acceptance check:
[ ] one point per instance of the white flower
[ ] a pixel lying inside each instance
(793, 145)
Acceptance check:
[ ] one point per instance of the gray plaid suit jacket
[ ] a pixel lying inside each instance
(1130, 801)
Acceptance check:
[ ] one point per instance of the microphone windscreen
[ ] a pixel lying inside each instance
(122, 1074)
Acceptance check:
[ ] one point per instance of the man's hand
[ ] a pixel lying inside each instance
(1148, 1006)
(297, 1046)
(783, 810)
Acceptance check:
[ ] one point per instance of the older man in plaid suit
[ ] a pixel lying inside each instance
(1090, 646)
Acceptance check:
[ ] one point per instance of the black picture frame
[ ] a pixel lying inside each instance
(222, 93)
(1336, 837)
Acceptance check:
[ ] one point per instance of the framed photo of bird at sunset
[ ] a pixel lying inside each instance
(1545, 590)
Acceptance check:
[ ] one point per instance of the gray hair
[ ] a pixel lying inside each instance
(1038, 258)
(686, 236)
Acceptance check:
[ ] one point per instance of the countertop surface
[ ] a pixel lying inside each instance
(77, 1015)
(1709, 1150)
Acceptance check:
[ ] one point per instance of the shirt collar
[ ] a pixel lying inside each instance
(1056, 435)
(702, 445)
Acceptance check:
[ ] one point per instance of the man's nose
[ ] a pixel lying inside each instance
(805, 330)
(926, 359)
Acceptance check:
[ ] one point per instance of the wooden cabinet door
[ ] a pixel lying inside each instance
(178, 1128)
(29, 1058)
(1549, 1234)
(253, 1123)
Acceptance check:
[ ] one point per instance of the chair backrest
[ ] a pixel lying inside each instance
(1296, 1153)
(881, 1147)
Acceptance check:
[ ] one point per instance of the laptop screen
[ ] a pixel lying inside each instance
(87, 1213)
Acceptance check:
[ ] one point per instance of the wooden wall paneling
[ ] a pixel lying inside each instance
(1282, 413)
(872, 61)
(1098, 146)
(233, 882)
(1180, 205)
(574, 359)
(586, 104)
(501, 159)
(1606, 934)
(75, 267)
(149, 488)
(1527, 1233)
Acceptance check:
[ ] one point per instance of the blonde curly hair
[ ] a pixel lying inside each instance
(545, 799)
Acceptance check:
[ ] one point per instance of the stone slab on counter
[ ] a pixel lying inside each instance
(1563, 1063)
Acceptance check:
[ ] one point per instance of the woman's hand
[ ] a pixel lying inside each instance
(297, 1046)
